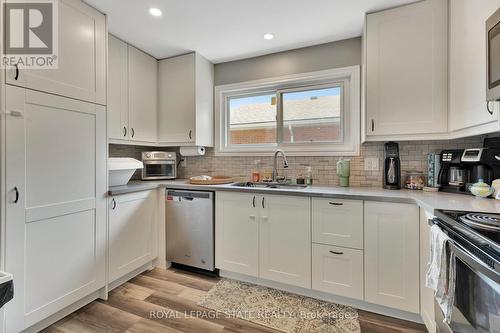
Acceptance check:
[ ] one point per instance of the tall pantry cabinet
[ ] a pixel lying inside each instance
(54, 152)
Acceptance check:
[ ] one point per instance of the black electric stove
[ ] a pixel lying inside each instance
(475, 241)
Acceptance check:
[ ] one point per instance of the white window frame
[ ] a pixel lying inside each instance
(349, 143)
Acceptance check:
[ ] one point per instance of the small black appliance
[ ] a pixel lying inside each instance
(392, 166)
(462, 168)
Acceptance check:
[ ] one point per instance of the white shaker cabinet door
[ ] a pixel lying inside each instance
(81, 72)
(55, 203)
(285, 239)
(392, 255)
(406, 70)
(467, 84)
(118, 128)
(177, 99)
(338, 222)
(337, 270)
(237, 233)
(142, 94)
(132, 222)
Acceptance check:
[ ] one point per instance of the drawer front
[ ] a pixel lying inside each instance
(337, 270)
(338, 222)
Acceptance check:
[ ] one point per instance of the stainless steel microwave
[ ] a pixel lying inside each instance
(493, 57)
(159, 165)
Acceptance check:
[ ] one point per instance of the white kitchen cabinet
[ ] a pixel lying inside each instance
(405, 53)
(55, 203)
(142, 95)
(132, 232)
(468, 113)
(118, 127)
(266, 236)
(392, 255)
(285, 239)
(186, 85)
(338, 222)
(426, 294)
(237, 233)
(133, 94)
(337, 270)
(81, 72)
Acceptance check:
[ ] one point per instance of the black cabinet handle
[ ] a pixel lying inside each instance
(17, 194)
(16, 76)
(334, 252)
(114, 204)
(263, 205)
(373, 125)
(124, 131)
(190, 134)
(336, 203)
(253, 201)
(490, 111)
(132, 131)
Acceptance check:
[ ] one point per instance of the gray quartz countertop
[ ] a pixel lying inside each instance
(427, 200)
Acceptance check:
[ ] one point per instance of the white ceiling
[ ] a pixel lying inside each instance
(224, 30)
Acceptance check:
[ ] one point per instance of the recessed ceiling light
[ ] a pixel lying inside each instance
(268, 36)
(155, 11)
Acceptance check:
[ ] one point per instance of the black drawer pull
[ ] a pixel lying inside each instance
(334, 252)
(17, 194)
(336, 203)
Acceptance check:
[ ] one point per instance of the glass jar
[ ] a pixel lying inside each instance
(414, 180)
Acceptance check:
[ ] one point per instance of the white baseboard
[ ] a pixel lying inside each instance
(327, 297)
(118, 282)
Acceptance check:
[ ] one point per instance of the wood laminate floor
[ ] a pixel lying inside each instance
(156, 301)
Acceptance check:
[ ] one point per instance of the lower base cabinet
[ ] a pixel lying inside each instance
(132, 232)
(337, 270)
(266, 236)
(392, 255)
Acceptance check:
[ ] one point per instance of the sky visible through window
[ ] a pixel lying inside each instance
(235, 103)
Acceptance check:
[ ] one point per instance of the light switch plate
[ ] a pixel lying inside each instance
(371, 164)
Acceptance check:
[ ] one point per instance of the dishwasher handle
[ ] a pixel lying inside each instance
(190, 195)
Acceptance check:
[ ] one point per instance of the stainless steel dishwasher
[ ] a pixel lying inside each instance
(190, 228)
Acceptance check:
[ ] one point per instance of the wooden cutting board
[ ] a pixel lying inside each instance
(216, 180)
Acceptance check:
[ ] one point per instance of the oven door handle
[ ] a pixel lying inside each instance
(474, 263)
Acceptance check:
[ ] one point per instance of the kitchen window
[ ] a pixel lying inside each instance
(307, 114)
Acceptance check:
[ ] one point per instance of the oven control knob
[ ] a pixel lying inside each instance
(148, 155)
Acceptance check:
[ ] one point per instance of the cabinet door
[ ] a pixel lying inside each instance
(117, 89)
(338, 222)
(406, 69)
(426, 294)
(143, 85)
(337, 270)
(237, 233)
(467, 82)
(81, 72)
(177, 99)
(392, 255)
(285, 239)
(132, 218)
(55, 203)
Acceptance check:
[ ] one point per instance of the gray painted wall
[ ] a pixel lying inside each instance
(308, 59)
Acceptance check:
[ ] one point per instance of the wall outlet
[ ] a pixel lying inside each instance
(184, 162)
(371, 164)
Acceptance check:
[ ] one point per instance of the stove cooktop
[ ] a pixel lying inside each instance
(481, 228)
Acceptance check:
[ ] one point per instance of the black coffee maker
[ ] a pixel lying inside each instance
(453, 174)
(392, 166)
(462, 168)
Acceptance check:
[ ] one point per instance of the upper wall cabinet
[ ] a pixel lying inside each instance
(118, 128)
(405, 55)
(81, 72)
(132, 97)
(186, 101)
(468, 112)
